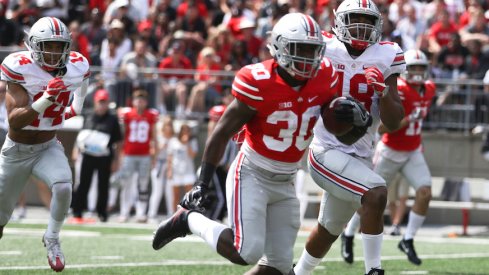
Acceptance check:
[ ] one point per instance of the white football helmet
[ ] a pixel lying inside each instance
(290, 33)
(48, 29)
(358, 35)
(416, 57)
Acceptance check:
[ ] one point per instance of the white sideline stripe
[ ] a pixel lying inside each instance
(22, 232)
(222, 262)
(107, 257)
(415, 272)
(11, 252)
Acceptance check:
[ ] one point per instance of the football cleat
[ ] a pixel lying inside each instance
(407, 247)
(395, 231)
(292, 272)
(174, 227)
(376, 271)
(347, 248)
(56, 259)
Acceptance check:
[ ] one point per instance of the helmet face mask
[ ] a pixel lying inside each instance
(417, 67)
(49, 43)
(358, 23)
(297, 45)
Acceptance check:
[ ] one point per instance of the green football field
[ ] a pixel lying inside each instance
(117, 249)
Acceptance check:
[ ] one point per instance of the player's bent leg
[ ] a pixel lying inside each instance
(225, 247)
(422, 200)
(372, 211)
(373, 206)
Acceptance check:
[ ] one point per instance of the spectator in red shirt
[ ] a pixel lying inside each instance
(220, 39)
(441, 31)
(247, 28)
(207, 91)
(79, 40)
(173, 85)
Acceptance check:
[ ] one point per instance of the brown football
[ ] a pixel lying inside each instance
(334, 126)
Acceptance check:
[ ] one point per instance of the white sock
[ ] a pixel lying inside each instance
(414, 223)
(205, 228)
(53, 229)
(353, 225)
(372, 246)
(306, 264)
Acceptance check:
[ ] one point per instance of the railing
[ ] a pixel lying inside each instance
(453, 109)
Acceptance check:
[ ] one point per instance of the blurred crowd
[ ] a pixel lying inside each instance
(130, 40)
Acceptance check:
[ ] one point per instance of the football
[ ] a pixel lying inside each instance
(334, 126)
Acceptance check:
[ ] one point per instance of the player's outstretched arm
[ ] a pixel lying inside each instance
(391, 109)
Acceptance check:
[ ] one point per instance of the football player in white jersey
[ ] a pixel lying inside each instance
(41, 83)
(342, 166)
(278, 101)
(400, 150)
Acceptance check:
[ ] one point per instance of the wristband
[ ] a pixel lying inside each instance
(207, 171)
(41, 104)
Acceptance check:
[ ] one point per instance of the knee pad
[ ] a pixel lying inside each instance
(62, 191)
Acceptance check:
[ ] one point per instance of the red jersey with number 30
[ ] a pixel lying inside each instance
(408, 138)
(282, 127)
(138, 131)
(20, 68)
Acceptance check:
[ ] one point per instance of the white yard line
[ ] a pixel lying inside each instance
(222, 262)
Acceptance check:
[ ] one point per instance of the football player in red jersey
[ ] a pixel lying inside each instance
(139, 151)
(401, 150)
(41, 83)
(278, 101)
(368, 70)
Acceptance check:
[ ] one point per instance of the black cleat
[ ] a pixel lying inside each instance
(347, 248)
(174, 227)
(407, 247)
(376, 271)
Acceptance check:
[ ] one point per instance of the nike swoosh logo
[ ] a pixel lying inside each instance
(345, 254)
(311, 99)
(405, 248)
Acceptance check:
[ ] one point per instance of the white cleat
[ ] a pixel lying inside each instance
(56, 258)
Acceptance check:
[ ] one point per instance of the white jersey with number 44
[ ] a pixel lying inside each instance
(20, 68)
(388, 57)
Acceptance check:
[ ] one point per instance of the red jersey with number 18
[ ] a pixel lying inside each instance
(138, 130)
(282, 127)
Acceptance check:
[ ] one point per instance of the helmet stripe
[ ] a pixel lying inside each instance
(312, 29)
(417, 54)
(56, 26)
(364, 3)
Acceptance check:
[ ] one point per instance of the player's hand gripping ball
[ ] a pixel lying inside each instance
(336, 117)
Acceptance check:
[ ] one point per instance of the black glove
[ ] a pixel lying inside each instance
(198, 198)
(352, 111)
